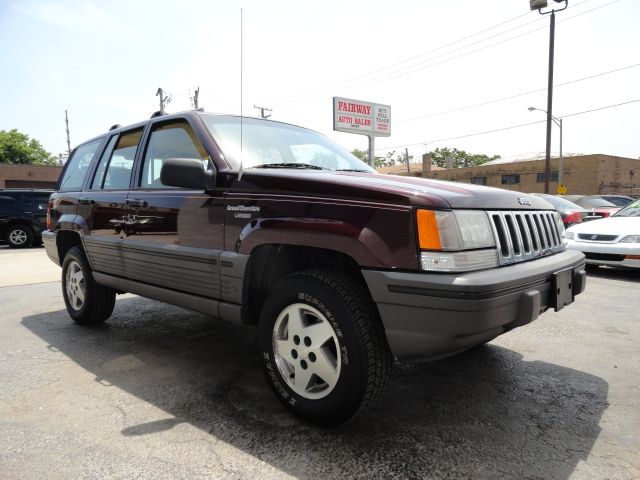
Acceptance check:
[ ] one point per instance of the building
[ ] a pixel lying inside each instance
(28, 176)
(582, 174)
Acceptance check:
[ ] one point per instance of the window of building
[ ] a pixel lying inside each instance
(510, 179)
(552, 178)
(479, 180)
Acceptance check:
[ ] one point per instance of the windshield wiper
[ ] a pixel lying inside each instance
(352, 170)
(290, 165)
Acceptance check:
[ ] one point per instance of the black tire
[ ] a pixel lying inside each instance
(87, 302)
(357, 351)
(19, 236)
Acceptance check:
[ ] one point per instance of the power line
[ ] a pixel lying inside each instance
(517, 95)
(511, 127)
(399, 73)
(409, 58)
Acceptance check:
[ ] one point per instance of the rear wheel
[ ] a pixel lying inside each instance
(323, 347)
(87, 302)
(19, 236)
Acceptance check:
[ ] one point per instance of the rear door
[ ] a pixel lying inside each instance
(104, 203)
(9, 209)
(35, 207)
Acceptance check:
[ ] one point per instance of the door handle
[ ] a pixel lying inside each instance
(86, 201)
(136, 202)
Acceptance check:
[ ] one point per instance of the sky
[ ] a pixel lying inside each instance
(450, 70)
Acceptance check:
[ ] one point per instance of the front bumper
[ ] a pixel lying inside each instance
(428, 316)
(612, 254)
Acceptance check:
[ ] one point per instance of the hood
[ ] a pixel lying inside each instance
(621, 226)
(412, 191)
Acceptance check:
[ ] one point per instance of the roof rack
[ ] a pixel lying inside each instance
(114, 127)
(159, 113)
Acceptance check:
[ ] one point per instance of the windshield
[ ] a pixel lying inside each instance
(271, 144)
(594, 202)
(631, 210)
(559, 202)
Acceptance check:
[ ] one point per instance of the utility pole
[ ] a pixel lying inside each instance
(194, 99)
(66, 120)
(406, 157)
(540, 5)
(164, 100)
(262, 110)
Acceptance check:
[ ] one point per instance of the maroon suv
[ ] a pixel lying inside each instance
(341, 269)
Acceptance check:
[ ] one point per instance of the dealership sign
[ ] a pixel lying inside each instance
(364, 118)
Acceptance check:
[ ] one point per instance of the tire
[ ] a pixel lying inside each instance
(323, 347)
(87, 302)
(19, 236)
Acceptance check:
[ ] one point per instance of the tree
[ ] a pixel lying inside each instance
(378, 162)
(17, 148)
(460, 158)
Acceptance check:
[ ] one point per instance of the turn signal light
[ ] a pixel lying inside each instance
(428, 234)
(49, 220)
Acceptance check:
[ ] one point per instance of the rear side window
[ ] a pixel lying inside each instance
(170, 140)
(8, 201)
(78, 165)
(116, 165)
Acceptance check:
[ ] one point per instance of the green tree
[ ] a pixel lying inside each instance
(18, 148)
(378, 162)
(460, 158)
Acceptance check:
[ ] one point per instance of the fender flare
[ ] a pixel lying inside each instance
(360, 243)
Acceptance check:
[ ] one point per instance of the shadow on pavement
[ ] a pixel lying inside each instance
(486, 413)
(623, 274)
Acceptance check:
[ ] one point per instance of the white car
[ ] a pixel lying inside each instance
(611, 241)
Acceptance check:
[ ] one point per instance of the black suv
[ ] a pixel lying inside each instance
(23, 216)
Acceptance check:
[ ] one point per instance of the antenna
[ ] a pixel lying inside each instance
(241, 122)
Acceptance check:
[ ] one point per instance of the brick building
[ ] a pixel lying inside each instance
(582, 174)
(28, 176)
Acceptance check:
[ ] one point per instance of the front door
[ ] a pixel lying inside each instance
(175, 236)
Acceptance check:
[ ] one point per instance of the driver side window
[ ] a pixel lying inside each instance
(169, 140)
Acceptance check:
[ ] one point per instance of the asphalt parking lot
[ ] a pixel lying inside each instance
(161, 392)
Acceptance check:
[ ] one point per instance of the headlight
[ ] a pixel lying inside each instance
(630, 239)
(454, 230)
(569, 235)
(448, 235)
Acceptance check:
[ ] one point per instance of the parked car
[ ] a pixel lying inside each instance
(569, 211)
(341, 268)
(610, 241)
(618, 200)
(599, 206)
(23, 216)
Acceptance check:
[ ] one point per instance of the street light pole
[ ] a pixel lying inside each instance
(558, 122)
(539, 5)
(547, 158)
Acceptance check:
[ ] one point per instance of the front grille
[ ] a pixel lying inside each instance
(597, 238)
(611, 257)
(522, 236)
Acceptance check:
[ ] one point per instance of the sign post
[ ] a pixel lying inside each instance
(362, 118)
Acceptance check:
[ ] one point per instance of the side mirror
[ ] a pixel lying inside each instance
(186, 173)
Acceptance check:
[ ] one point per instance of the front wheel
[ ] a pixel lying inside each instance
(87, 302)
(323, 346)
